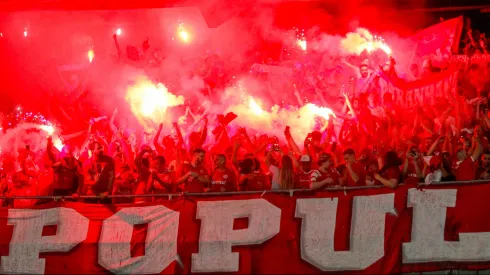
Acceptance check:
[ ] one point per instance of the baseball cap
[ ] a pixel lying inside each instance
(305, 158)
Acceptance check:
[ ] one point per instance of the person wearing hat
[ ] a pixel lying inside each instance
(303, 177)
(326, 175)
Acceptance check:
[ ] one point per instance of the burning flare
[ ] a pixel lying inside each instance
(90, 55)
(255, 107)
(302, 120)
(360, 40)
(150, 101)
(47, 128)
(322, 112)
(302, 44)
(183, 34)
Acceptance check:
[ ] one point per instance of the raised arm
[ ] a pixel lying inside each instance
(349, 105)
(291, 143)
(102, 141)
(49, 150)
(306, 146)
(477, 148)
(111, 121)
(204, 132)
(234, 154)
(179, 134)
(156, 139)
(434, 145)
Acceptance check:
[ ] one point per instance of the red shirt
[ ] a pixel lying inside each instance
(411, 177)
(66, 175)
(303, 180)
(167, 177)
(392, 173)
(256, 182)
(118, 163)
(223, 181)
(359, 171)
(193, 185)
(319, 175)
(140, 187)
(465, 170)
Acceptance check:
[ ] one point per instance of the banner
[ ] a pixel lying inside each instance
(440, 39)
(474, 59)
(423, 92)
(364, 231)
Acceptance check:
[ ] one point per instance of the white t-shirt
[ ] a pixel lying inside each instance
(377, 111)
(274, 170)
(436, 176)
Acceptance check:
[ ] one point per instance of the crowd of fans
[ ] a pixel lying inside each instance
(379, 143)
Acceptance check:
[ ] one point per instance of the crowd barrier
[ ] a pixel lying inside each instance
(291, 192)
(441, 228)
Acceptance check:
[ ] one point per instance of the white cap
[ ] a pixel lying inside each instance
(305, 158)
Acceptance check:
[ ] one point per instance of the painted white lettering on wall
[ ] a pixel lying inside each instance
(217, 235)
(427, 241)
(160, 243)
(27, 240)
(366, 235)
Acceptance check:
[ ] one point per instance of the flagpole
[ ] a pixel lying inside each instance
(413, 53)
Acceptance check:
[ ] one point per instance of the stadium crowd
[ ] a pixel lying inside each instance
(379, 143)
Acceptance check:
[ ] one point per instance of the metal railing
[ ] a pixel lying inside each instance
(170, 196)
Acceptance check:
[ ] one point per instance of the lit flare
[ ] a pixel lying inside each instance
(151, 101)
(302, 44)
(183, 34)
(90, 55)
(322, 112)
(255, 107)
(47, 128)
(360, 40)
